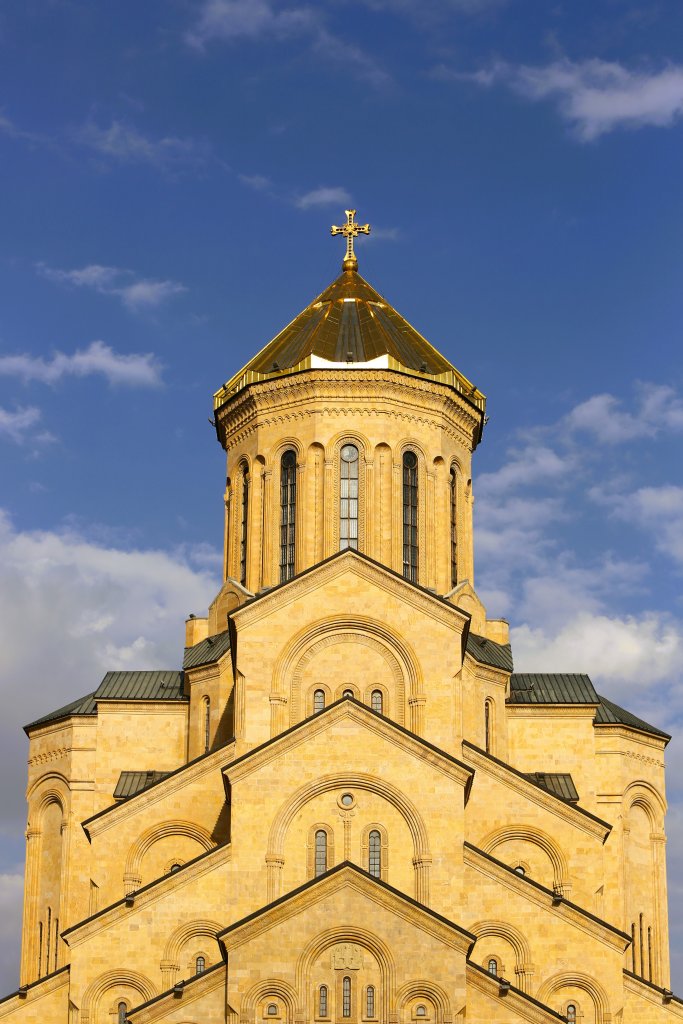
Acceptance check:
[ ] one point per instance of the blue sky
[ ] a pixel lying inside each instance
(168, 175)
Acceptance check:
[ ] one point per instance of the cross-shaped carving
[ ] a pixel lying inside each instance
(350, 230)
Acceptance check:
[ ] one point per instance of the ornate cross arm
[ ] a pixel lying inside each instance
(350, 230)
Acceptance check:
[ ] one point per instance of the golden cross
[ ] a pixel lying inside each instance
(350, 230)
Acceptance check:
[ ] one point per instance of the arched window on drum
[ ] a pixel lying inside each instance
(348, 497)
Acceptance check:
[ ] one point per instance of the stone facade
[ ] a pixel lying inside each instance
(350, 808)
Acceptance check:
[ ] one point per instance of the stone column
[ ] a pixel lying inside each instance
(266, 531)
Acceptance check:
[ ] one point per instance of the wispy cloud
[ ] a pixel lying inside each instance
(136, 295)
(135, 369)
(324, 195)
(654, 409)
(593, 96)
(230, 20)
(122, 143)
(258, 182)
(16, 424)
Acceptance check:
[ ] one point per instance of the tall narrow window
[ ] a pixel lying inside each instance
(571, 1013)
(40, 949)
(370, 1001)
(649, 954)
(244, 528)
(57, 941)
(287, 514)
(375, 853)
(410, 551)
(488, 726)
(346, 997)
(454, 528)
(377, 701)
(320, 852)
(633, 948)
(322, 1001)
(200, 965)
(493, 967)
(642, 950)
(207, 724)
(48, 935)
(318, 701)
(348, 497)
(122, 1008)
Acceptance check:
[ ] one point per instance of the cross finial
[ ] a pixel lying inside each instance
(350, 230)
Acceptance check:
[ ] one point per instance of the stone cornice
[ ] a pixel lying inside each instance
(362, 567)
(16, 1001)
(515, 780)
(352, 709)
(545, 898)
(606, 730)
(653, 994)
(526, 1006)
(189, 992)
(185, 775)
(487, 673)
(586, 711)
(147, 896)
(347, 876)
(143, 707)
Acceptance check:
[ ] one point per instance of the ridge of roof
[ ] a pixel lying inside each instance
(208, 650)
(489, 652)
(609, 713)
(142, 684)
(551, 688)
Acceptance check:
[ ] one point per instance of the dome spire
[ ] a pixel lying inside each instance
(350, 230)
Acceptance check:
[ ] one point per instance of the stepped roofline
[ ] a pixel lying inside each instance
(350, 326)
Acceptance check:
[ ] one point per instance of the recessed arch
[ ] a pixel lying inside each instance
(161, 831)
(642, 794)
(529, 834)
(425, 990)
(271, 988)
(110, 981)
(359, 936)
(576, 979)
(201, 928)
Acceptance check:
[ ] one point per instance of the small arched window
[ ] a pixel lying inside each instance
(377, 701)
(454, 528)
(287, 514)
(318, 701)
(519, 870)
(488, 726)
(175, 867)
(244, 526)
(122, 1010)
(410, 537)
(571, 1013)
(322, 1001)
(421, 1010)
(370, 1001)
(320, 852)
(346, 997)
(200, 965)
(348, 497)
(493, 967)
(375, 853)
(272, 1010)
(207, 724)
(347, 693)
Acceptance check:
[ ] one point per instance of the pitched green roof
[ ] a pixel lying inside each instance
(157, 684)
(131, 783)
(207, 651)
(558, 783)
(551, 688)
(611, 714)
(488, 652)
(83, 706)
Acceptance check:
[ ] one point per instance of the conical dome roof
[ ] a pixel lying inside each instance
(350, 326)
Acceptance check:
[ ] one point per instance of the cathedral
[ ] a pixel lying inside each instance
(345, 807)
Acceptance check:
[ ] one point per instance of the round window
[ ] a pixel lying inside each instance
(349, 453)
(410, 460)
(347, 800)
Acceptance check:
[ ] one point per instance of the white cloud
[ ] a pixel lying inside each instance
(258, 182)
(594, 96)
(527, 465)
(324, 195)
(655, 408)
(657, 510)
(136, 295)
(15, 424)
(135, 369)
(125, 144)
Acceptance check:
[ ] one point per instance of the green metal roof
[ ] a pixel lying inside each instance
(131, 783)
(158, 684)
(611, 714)
(207, 651)
(551, 688)
(489, 652)
(83, 706)
(557, 783)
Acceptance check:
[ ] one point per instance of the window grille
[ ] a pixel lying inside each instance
(318, 701)
(375, 853)
(287, 514)
(410, 546)
(493, 967)
(370, 1001)
(320, 852)
(377, 701)
(346, 997)
(200, 965)
(244, 525)
(454, 528)
(322, 1001)
(348, 497)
